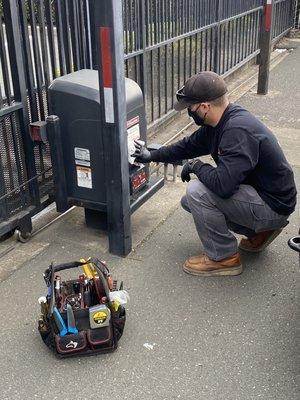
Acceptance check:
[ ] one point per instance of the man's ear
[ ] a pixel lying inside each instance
(206, 106)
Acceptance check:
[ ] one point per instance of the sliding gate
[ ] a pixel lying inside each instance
(39, 41)
(165, 42)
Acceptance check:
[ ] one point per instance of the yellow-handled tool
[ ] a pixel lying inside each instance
(88, 269)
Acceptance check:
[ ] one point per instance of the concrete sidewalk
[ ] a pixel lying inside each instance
(226, 338)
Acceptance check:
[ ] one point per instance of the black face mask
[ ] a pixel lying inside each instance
(196, 117)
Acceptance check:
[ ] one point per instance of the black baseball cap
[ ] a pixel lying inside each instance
(199, 88)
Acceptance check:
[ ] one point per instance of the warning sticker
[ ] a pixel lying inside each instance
(82, 156)
(133, 121)
(84, 177)
(133, 132)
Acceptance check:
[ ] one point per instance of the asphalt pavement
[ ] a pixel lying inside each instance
(186, 337)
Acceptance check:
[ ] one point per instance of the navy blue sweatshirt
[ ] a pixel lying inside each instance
(245, 152)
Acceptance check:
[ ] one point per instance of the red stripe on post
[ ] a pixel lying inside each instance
(106, 56)
(268, 17)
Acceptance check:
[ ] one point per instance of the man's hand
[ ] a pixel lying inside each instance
(141, 154)
(187, 170)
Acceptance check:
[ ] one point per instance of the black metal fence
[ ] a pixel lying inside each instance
(165, 41)
(39, 41)
(297, 15)
(282, 17)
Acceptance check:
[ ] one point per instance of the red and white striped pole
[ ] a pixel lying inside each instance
(268, 15)
(107, 80)
(265, 48)
(108, 56)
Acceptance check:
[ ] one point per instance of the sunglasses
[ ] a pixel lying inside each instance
(181, 96)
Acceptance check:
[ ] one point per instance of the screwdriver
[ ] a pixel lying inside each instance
(71, 320)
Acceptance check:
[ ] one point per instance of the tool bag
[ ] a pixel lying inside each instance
(84, 315)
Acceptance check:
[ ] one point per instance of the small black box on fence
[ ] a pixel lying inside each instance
(85, 315)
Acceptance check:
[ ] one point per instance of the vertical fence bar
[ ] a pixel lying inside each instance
(196, 53)
(159, 80)
(143, 25)
(297, 15)
(217, 36)
(190, 54)
(4, 65)
(222, 47)
(44, 47)
(166, 77)
(73, 14)
(184, 60)
(66, 34)
(60, 38)
(229, 45)
(243, 37)
(234, 43)
(201, 52)
(252, 46)
(37, 58)
(130, 30)
(178, 63)
(206, 50)
(51, 40)
(84, 33)
(173, 77)
(247, 35)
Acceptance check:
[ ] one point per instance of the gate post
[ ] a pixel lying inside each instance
(107, 24)
(265, 48)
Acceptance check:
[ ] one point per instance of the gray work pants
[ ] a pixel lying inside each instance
(245, 213)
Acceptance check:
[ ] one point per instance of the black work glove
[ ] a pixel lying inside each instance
(141, 154)
(187, 170)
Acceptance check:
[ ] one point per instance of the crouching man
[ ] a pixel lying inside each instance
(251, 191)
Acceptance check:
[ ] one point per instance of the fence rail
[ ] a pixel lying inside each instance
(165, 41)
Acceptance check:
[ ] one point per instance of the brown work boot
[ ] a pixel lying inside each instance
(202, 265)
(260, 241)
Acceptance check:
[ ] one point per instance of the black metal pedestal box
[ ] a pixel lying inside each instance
(77, 151)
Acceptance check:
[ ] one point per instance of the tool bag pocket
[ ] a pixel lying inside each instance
(72, 343)
(119, 319)
(100, 338)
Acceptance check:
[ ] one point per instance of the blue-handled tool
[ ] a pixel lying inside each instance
(59, 322)
(71, 320)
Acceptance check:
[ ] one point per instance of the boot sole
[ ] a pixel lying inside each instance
(232, 271)
(266, 244)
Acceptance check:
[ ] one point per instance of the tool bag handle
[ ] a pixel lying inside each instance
(69, 265)
(100, 267)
